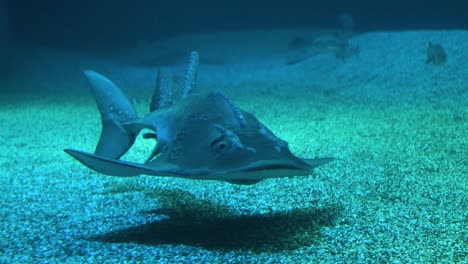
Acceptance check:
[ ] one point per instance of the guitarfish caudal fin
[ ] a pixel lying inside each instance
(115, 110)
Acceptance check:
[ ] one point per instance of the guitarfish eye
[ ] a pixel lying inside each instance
(220, 144)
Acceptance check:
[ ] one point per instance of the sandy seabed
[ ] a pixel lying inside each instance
(397, 192)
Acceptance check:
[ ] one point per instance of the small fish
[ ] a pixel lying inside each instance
(436, 54)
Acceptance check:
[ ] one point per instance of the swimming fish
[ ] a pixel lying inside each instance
(201, 137)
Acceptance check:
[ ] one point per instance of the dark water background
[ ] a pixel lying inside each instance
(97, 26)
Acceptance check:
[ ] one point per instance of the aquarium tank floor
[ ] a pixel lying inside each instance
(397, 192)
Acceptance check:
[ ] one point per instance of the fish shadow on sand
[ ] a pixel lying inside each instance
(201, 223)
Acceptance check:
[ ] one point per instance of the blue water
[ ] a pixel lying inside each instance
(344, 79)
